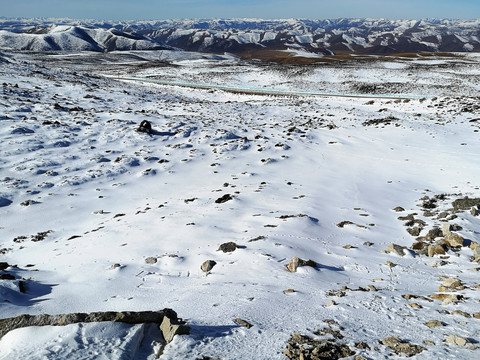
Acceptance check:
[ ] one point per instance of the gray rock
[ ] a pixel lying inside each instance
(151, 260)
(208, 265)
(228, 247)
(465, 204)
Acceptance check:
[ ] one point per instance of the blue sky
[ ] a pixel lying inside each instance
(268, 9)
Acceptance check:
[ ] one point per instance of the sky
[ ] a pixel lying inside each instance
(267, 9)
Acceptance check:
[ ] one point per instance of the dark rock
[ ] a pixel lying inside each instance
(465, 204)
(343, 223)
(399, 209)
(7, 277)
(434, 233)
(224, 198)
(3, 265)
(228, 247)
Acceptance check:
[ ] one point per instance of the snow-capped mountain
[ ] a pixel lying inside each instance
(240, 35)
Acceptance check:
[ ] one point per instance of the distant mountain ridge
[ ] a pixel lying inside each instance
(362, 36)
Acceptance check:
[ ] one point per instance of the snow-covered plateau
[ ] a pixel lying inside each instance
(378, 198)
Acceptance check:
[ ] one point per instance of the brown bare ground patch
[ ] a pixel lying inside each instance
(282, 56)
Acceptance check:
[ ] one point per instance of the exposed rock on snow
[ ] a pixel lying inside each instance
(401, 347)
(208, 265)
(296, 262)
(301, 347)
(170, 324)
(228, 247)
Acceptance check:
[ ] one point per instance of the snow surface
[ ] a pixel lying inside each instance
(296, 167)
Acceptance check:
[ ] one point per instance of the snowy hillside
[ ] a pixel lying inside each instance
(77, 38)
(315, 36)
(368, 194)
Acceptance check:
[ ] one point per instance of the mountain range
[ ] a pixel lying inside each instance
(328, 37)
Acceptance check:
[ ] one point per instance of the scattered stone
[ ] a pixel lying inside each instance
(371, 288)
(368, 243)
(301, 347)
(396, 249)
(434, 323)
(208, 265)
(402, 347)
(416, 306)
(331, 303)
(476, 315)
(228, 247)
(343, 223)
(399, 209)
(390, 264)
(151, 260)
(327, 331)
(115, 266)
(457, 340)
(243, 323)
(460, 312)
(428, 342)
(454, 240)
(288, 291)
(438, 263)
(296, 262)
(224, 199)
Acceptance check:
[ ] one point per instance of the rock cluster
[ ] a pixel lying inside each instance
(401, 347)
(301, 347)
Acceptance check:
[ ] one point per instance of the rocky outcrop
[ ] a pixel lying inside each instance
(167, 319)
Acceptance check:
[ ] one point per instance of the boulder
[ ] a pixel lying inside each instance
(396, 249)
(208, 265)
(296, 262)
(228, 247)
(173, 326)
(434, 323)
(433, 250)
(457, 340)
(454, 240)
